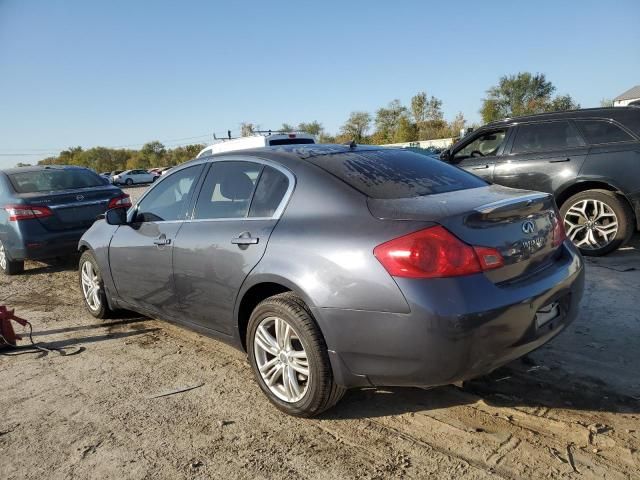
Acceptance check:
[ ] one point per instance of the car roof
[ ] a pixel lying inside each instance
(38, 168)
(602, 112)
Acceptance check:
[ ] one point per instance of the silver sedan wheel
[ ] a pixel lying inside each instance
(90, 286)
(591, 224)
(281, 359)
(3, 257)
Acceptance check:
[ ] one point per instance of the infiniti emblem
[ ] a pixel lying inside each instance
(79, 197)
(528, 227)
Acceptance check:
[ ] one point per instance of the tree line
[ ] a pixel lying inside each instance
(422, 119)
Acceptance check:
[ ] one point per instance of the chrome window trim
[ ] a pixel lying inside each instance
(245, 158)
(224, 158)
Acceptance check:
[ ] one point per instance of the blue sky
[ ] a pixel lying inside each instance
(114, 73)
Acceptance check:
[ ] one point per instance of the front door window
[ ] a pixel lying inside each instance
(486, 145)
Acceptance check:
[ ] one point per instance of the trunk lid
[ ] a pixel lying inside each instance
(518, 223)
(72, 209)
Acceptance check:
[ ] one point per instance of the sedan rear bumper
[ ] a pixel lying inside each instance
(40, 244)
(457, 329)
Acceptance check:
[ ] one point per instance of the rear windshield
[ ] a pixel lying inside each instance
(52, 180)
(291, 141)
(396, 174)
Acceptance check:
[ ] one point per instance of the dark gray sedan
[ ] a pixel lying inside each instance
(340, 266)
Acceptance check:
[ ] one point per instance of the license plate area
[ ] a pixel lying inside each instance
(547, 314)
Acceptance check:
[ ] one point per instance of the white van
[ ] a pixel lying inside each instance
(258, 140)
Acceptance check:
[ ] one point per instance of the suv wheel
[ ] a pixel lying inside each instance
(597, 221)
(289, 357)
(8, 266)
(92, 286)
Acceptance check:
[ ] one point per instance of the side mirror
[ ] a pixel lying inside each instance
(445, 155)
(116, 216)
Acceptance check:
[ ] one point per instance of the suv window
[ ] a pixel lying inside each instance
(486, 145)
(270, 191)
(540, 137)
(169, 199)
(227, 190)
(599, 131)
(391, 173)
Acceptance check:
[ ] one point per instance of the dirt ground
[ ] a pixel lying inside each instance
(571, 410)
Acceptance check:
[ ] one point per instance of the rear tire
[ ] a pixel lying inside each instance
(303, 350)
(92, 286)
(597, 221)
(8, 266)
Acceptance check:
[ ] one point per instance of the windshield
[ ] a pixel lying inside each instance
(52, 180)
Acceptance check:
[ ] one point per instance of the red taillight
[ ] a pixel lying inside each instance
(559, 233)
(123, 201)
(27, 212)
(435, 252)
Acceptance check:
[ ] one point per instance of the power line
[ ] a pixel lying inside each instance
(43, 151)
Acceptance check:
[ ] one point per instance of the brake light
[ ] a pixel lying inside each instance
(27, 212)
(433, 253)
(123, 201)
(559, 233)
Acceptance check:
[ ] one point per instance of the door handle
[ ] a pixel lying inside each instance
(560, 161)
(245, 240)
(162, 240)
(483, 167)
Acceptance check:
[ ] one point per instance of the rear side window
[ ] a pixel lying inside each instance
(396, 174)
(227, 190)
(540, 137)
(53, 180)
(270, 191)
(599, 131)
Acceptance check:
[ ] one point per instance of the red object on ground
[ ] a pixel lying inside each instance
(9, 337)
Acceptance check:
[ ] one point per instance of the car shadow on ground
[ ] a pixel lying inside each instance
(506, 387)
(132, 327)
(55, 265)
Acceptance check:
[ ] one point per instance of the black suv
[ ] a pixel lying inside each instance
(589, 159)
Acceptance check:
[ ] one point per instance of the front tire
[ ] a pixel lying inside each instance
(289, 357)
(8, 266)
(128, 182)
(597, 221)
(92, 286)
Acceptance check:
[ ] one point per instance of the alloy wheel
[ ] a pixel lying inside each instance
(591, 224)
(281, 359)
(3, 257)
(90, 286)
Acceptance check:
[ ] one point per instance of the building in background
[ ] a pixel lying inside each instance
(630, 96)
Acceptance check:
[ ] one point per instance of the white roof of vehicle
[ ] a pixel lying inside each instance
(258, 140)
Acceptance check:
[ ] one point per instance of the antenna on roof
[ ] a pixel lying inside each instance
(352, 144)
(229, 134)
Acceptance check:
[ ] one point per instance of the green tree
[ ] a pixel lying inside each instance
(562, 103)
(287, 127)
(406, 131)
(388, 121)
(247, 129)
(606, 102)
(355, 128)
(312, 128)
(522, 94)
